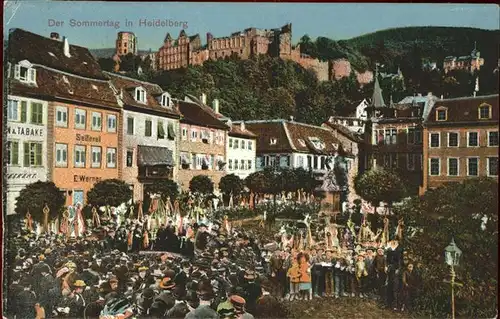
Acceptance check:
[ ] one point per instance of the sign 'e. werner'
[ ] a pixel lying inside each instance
(86, 179)
(88, 138)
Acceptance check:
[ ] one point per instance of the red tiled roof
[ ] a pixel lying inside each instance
(24, 45)
(238, 132)
(266, 131)
(51, 85)
(195, 114)
(127, 85)
(289, 136)
(346, 132)
(464, 109)
(305, 132)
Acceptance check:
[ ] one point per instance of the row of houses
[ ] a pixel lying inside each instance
(72, 123)
(430, 141)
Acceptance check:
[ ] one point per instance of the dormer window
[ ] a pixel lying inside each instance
(140, 95)
(302, 142)
(165, 100)
(484, 111)
(441, 114)
(318, 144)
(273, 141)
(24, 72)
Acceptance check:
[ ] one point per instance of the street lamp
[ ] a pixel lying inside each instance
(452, 258)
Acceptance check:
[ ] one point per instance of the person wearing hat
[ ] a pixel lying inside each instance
(238, 304)
(77, 302)
(268, 306)
(166, 284)
(379, 269)
(142, 280)
(361, 274)
(204, 310)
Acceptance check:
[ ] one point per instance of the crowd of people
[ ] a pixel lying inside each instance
(201, 269)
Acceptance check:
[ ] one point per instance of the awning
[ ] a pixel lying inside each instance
(153, 156)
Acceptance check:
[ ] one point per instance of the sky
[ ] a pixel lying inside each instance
(337, 21)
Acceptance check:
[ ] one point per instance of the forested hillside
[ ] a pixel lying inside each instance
(269, 88)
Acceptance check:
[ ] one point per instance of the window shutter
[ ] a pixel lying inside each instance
(15, 153)
(40, 113)
(24, 111)
(171, 132)
(32, 75)
(17, 71)
(9, 66)
(26, 150)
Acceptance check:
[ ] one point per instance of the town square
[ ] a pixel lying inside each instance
(250, 160)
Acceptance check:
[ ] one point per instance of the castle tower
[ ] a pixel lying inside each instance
(126, 42)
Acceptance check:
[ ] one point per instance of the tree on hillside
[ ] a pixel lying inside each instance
(201, 185)
(380, 185)
(165, 188)
(231, 185)
(112, 192)
(307, 46)
(467, 212)
(34, 197)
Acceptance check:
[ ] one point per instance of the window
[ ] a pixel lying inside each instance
(160, 129)
(249, 164)
(165, 100)
(493, 138)
(441, 115)
(194, 135)
(300, 161)
(236, 144)
(13, 110)
(32, 154)
(435, 166)
(484, 111)
(24, 73)
(243, 146)
(390, 136)
(80, 119)
(13, 152)
(37, 113)
(61, 116)
(250, 145)
(130, 158)
(410, 137)
(492, 166)
(272, 141)
(472, 139)
(309, 161)
(148, 128)
(184, 133)
(96, 121)
(61, 155)
(418, 136)
(453, 139)
(140, 95)
(453, 166)
(434, 139)
(80, 156)
(111, 157)
(111, 123)
(230, 164)
(472, 166)
(315, 162)
(130, 125)
(410, 161)
(230, 143)
(96, 156)
(259, 162)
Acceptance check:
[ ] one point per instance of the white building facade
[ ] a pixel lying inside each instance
(240, 150)
(26, 146)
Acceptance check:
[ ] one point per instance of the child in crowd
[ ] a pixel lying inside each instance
(294, 275)
(305, 286)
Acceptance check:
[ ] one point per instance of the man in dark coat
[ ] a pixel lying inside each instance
(77, 303)
(26, 301)
(268, 306)
(252, 289)
(161, 238)
(394, 274)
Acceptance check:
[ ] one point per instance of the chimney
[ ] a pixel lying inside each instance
(203, 98)
(242, 126)
(215, 105)
(54, 36)
(419, 94)
(429, 94)
(291, 118)
(209, 37)
(441, 96)
(66, 48)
